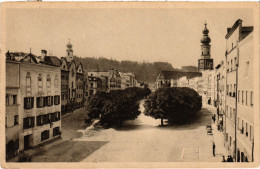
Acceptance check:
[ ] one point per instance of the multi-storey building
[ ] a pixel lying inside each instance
(245, 97)
(13, 101)
(38, 111)
(73, 82)
(95, 84)
(169, 78)
(64, 86)
(127, 80)
(115, 79)
(220, 92)
(80, 86)
(239, 90)
(105, 78)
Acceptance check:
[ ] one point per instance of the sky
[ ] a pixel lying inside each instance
(150, 35)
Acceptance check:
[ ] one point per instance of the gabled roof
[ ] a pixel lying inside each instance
(178, 74)
(77, 68)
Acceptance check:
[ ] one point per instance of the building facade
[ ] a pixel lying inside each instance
(239, 92)
(38, 99)
(13, 101)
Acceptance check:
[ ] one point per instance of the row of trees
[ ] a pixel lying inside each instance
(177, 104)
(116, 106)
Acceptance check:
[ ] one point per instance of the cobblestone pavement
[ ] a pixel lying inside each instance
(143, 140)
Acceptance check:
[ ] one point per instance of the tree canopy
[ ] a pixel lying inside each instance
(176, 104)
(116, 106)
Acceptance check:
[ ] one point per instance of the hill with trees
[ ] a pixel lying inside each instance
(145, 71)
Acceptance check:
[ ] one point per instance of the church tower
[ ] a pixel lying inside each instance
(205, 62)
(69, 51)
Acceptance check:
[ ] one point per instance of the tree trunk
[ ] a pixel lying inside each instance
(161, 121)
(121, 123)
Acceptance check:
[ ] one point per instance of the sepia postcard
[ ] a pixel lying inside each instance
(129, 85)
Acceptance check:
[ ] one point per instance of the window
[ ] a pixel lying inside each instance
(45, 135)
(247, 129)
(14, 99)
(235, 63)
(247, 98)
(40, 121)
(48, 100)
(28, 80)
(230, 114)
(28, 122)
(246, 69)
(56, 82)
(228, 66)
(40, 86)
(48, 80)
(7, 99)
(56, 100)
(5, 121)
(234, 91)
(238, 97)
(56, 131)
(227, 89)
(231, 65)
(28, 102)
(252, 99)
(16, 119)
(40, 102)
(250, 133)
(242, 97)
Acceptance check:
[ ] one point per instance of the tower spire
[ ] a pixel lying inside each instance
(205, 62)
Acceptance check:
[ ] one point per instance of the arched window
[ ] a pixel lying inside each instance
(56, 81)
(28, 83)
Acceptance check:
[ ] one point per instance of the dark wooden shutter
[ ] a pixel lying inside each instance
(38, 101)
(33, 121)
(25, 103)
(32, 102)
(38, 119)
(51, 100)
(24, 123)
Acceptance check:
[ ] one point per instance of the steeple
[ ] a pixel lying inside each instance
(205, 62)
(69, 51)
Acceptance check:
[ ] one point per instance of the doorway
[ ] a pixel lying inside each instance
(27, 142)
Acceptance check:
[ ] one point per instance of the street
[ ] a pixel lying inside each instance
(140, 140)
(143, 140)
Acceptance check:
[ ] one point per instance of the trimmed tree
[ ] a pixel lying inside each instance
(177, 104)
(116, 106)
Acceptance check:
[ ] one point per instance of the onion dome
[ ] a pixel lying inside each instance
(69, 45)
(205, 38)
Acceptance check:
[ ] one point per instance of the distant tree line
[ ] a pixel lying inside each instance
(145, 72)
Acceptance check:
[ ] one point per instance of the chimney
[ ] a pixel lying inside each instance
(44, 53)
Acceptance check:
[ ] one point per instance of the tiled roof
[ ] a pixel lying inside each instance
(52, 60)
(178, 74)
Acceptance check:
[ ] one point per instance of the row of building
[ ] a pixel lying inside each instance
(40, 89)
(229, 87)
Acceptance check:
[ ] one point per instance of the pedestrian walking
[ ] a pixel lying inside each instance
(213, 147)
(223, 160)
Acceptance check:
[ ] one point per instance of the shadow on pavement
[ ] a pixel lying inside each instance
(202, 118)
(68, 151)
